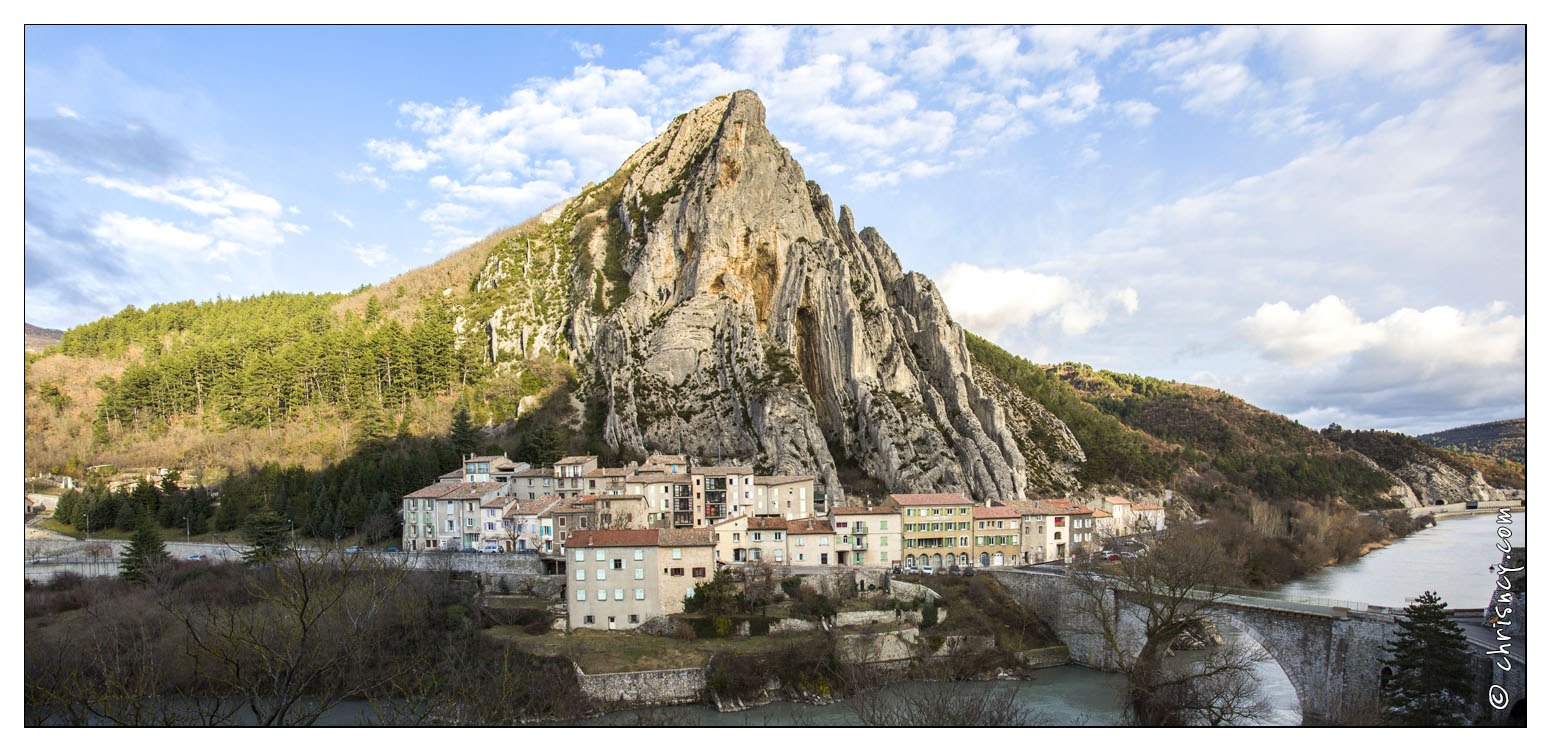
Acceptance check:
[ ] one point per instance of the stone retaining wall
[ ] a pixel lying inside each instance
(640, 688)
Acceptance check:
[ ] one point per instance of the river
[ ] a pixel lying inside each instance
(1451, 558)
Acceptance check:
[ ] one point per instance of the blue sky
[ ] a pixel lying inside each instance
(1328, 222)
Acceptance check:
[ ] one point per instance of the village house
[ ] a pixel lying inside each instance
(621, 511)
(1147, 518)
(665, 463)
(713, 487)
(446, 515)
(871, 535)
(570, 474)
(789, 496)
(1052, 529)
(936, 528)
(569, 516)
(526, 525)
(744, 539)
(811, 541)
(607, 480)
(667, 494)
(618, 579)
(997, 536)
(533, 483)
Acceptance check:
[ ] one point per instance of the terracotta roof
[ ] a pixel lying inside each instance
(1100, 514)
(723, 470)
(1032, 507)
(434, 491)
(535, 472)
(487, 458)
(994, 512)
(838, 511)
(456, 475)
(1144, 507)
(660, 477)
(601, 538)
(767, 523)
(576, 460)
(572, 506)
(1116, 500)
(809, 526)
(780, 480)
(609, 472)
(472, 490)
(666, 459)
(686, 538)
(532, 506)
(930, 500)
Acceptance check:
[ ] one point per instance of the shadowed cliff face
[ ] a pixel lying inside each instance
(721, 308)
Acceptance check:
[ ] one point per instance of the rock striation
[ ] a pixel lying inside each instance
(723, 308)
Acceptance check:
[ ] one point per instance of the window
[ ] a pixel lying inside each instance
(619, 594)
(640, 573)
(801, 541)
(602, 573)
(824, 540)
(581, 594)
(678, 553)
(581, 574)
(756, 536)
(618, 564)
(676, 572)
(602, 554)
(634, 619)
(883, 540)
(587, 619)
(636, 555)
(910, 512)
(697, 572)
(799, 557)
(883, 526)
(779, 535)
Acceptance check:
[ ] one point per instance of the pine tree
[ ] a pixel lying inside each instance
(144, 553)
(268, 537)
(463, 435)
(1431, 681)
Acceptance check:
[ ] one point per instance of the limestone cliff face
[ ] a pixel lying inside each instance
(721, 308)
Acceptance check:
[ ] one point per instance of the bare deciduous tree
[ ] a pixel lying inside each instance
(1139, 607)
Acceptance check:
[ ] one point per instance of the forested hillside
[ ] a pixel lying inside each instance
(1504, 439)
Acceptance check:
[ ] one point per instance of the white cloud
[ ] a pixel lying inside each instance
(147, 236)
(1139, 112)
(64, 111)
(371, 255)
(401, 156)
(344, 220)
(364, 173)
(989, 301)
(587, 51)
(206, 197)
(445, 213)
(1325, 329)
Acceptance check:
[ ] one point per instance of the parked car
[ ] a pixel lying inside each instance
(928, 569)
(896, 570)
(352, 549)
(953, 568)
(197, 557)
(392, 549)
(911, 569)
(492, 548)
(968, 570)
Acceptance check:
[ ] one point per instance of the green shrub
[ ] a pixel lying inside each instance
(929, 615)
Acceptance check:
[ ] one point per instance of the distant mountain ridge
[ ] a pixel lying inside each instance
(38, 339)
(1504, 439)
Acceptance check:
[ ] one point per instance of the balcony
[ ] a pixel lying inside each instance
(858, 544)
(859, 528)
(683, 506)
(683, 519)
(715, 511)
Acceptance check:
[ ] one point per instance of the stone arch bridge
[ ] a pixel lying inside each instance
(1332, 653)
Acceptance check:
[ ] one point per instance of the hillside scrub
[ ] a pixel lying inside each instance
(228, 645)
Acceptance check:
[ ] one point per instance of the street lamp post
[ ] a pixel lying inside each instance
(188, 530)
